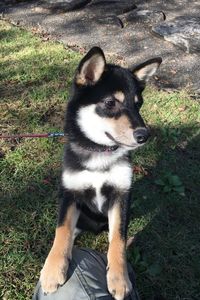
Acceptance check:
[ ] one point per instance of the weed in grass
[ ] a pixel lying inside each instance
(140, 264)
(171, 183)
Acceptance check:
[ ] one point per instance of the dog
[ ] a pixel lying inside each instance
(103, 124)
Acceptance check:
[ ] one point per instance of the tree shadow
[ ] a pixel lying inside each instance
(169, 244)
(89, 23)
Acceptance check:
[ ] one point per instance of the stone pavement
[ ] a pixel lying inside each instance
(128, 31)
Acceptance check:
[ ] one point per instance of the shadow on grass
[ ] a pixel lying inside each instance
(168, 243)
(168, 267)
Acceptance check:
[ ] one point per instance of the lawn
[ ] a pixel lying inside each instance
(35, 76)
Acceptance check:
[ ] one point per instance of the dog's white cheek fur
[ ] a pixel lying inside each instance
(119, 175)
(94, 126)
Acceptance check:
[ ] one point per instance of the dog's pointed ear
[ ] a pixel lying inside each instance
(91, 67)
(144, 71)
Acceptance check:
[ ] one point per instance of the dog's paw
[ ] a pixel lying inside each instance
(54, 272)
(119, 285)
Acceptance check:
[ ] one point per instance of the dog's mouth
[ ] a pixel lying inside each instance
(133, 146)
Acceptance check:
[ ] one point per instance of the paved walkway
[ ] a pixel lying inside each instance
(129, 31)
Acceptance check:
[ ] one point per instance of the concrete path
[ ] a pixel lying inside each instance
(128, 31)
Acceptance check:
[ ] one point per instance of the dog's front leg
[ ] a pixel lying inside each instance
(55, 268)
(118, 281)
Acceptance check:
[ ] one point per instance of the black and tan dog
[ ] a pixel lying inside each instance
(103, 124)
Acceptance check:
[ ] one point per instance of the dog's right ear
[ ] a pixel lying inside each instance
(91, 67)
(144, 71)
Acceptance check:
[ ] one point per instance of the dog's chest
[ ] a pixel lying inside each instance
(119, 176)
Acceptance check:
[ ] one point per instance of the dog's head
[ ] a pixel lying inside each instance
(107, 101)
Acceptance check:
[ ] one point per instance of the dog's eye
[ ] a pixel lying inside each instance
(109, 103)
(138, 101)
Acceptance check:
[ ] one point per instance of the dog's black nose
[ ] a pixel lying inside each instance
(141, 135)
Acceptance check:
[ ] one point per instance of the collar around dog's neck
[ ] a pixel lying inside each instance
(102, 149)
(95, 148)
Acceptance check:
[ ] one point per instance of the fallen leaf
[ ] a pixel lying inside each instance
(140, 170)
(46, 181)
(173, 71)
(182, 108)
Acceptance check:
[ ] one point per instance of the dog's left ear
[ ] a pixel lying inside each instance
(91, 67)
(144, 71)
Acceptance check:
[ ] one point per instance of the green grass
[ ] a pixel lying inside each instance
(35, 82)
